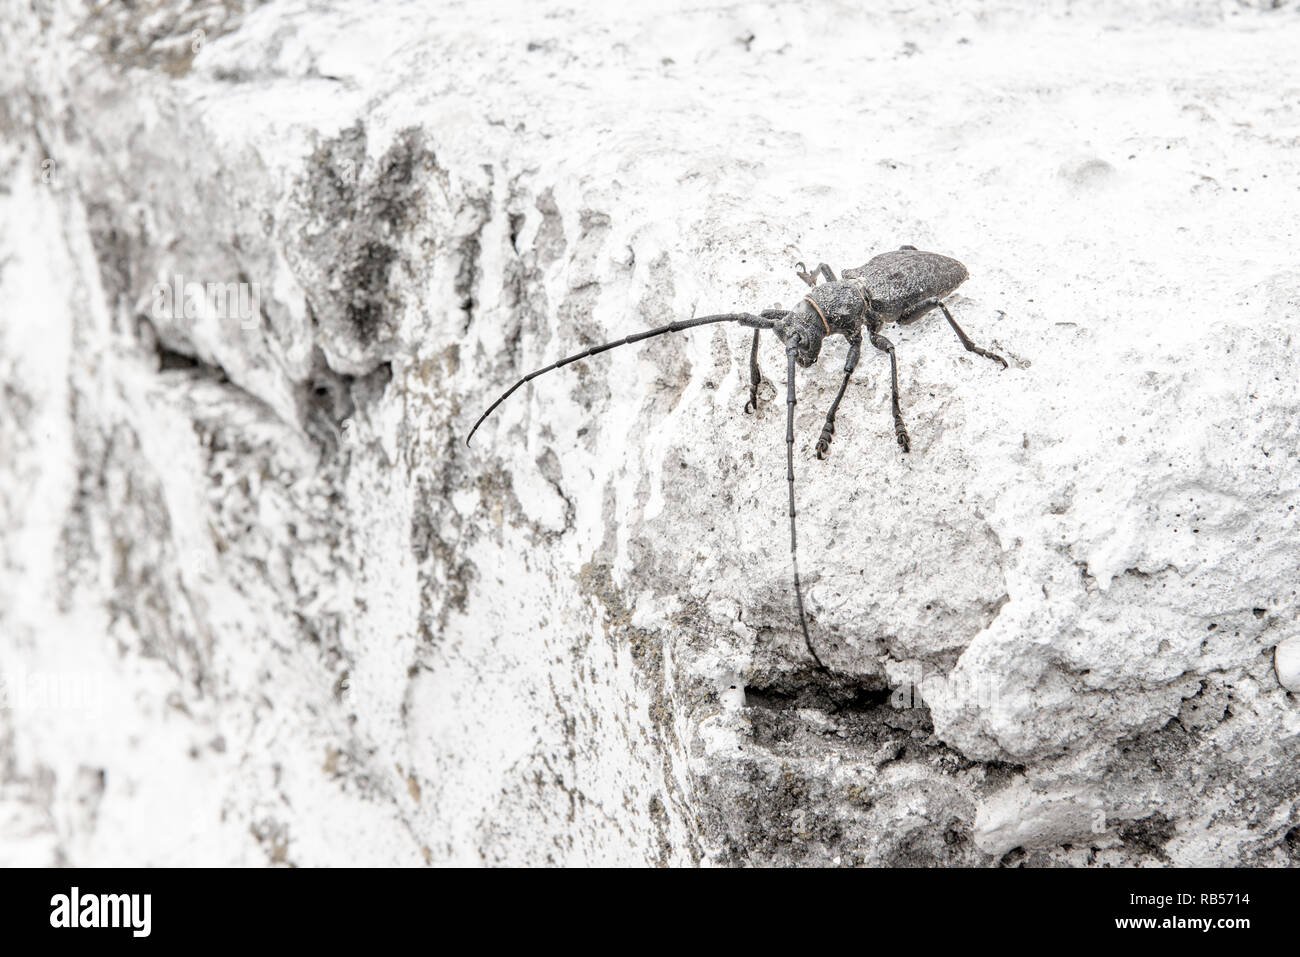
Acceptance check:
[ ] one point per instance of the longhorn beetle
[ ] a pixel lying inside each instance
(899, 286)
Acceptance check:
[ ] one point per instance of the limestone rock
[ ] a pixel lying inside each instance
(259, 602)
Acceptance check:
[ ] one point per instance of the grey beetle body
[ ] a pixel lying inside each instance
(889, 288)
(896, 280)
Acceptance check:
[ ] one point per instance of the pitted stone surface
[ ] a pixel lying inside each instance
(259, 604)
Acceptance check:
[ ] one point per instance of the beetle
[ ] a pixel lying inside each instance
(900, 286)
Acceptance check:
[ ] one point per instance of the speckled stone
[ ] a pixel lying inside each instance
(297, 622)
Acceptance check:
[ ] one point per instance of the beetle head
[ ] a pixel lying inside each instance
(804, 330)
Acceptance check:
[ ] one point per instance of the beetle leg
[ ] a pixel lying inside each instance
(828, 430)
(913, 313)
(900, 430)
(755, 376)
(965, 340)
(811, 277)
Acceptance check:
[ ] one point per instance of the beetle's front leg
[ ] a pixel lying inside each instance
(811, 277)
(828, 430)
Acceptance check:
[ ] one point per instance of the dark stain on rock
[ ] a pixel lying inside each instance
(445, 576)
(1147, 835)
(161, 36)
(549, 241)
(357, 215)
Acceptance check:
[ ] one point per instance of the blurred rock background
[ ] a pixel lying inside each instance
(260, 604)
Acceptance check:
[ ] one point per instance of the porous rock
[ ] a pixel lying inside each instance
(259, 602)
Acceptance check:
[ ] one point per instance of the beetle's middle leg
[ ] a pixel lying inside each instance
(811, 277)
(828, 430)
(900, 430)
(755, 376)
(913, 313)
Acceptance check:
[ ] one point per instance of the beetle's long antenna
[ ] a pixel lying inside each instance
(789, 473)
(744, 318)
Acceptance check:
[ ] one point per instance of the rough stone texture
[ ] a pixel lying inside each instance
(259, 603)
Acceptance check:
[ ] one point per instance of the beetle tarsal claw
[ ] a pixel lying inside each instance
(824, 441)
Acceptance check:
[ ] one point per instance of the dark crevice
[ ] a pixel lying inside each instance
(326, 400)
(867, 700)
(865, 721)
(327, 395)
(172, 358)
(1013, 858)
(516, 225)
(1291, 844)
(467, 279)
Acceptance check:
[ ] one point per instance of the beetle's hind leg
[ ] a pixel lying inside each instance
(900, 430)
(811, 277)
(913, 313)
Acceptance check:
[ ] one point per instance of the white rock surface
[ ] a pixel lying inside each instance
(260, 604)
(1286, 661)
